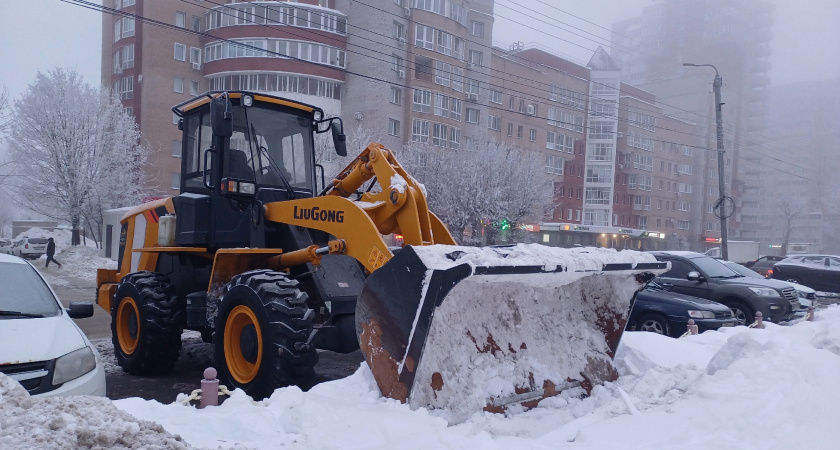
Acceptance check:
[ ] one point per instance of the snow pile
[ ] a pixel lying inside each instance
(738, 389)
(571, 259)
(73, 422)
(79, 261)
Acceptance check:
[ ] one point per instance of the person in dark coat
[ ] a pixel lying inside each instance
(51, 253)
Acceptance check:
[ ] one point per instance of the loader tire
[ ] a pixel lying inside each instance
(146, 324)
(264, 332)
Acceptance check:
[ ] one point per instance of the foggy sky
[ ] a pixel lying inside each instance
(42, 34)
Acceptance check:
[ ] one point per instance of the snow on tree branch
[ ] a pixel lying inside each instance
(74, 150)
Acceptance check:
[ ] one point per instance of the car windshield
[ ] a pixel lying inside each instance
(745, 271)
(714, 268)
(23, 291)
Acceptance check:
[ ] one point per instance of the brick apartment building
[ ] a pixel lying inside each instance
(421, 71)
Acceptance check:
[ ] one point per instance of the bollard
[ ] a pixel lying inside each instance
(209, 389)
(759, 322)
(811, 313)
(692, 328)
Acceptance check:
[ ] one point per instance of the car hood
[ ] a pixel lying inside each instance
(40, 339)
(749, 281)
(800, 287)
(687, 300)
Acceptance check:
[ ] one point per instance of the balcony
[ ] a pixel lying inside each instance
(762, 51)
(761, 65)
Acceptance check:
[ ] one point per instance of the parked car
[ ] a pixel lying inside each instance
(6, 246)
(705, 277)
(763, 264)
(40, 345)
(807, 296)
(819, 272)
(658, 310)
(30, 248)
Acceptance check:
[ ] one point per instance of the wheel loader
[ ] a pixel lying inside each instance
(271, 263)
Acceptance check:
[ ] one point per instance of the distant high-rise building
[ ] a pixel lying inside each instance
(732, 35)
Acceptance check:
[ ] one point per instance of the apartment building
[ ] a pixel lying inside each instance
(732, 35)
(293, 49)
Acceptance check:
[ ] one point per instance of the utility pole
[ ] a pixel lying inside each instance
(720, 206)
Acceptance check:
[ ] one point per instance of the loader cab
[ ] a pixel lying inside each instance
(240, 150)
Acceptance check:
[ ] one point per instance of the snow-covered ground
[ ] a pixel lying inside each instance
(740, 388)
(80, 261)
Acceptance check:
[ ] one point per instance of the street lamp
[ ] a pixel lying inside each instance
(720, 206)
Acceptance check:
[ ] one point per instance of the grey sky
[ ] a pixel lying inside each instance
(48, 33)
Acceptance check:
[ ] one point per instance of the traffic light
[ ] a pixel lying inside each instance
(504, 224)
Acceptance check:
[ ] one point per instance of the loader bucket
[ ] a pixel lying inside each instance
(465, 329)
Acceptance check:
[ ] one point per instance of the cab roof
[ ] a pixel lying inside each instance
(203, 99)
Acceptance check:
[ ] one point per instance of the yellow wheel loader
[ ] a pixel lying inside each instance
(271, 264)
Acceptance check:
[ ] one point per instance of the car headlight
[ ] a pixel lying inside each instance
(765, 292)
(73, 365)
(701, 314)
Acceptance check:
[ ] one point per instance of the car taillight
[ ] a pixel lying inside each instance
(26, 246)
(769, 273)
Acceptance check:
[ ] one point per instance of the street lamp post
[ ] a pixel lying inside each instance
(721, 203)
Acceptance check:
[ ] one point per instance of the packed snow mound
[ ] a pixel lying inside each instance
(73, 422)
(62, 237)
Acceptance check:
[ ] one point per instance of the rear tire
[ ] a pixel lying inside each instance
(146, 324)
(654, 323)
(264, 331)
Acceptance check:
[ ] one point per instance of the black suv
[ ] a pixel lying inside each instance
(705, 277)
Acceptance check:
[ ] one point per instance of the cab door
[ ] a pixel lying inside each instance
(677, 280)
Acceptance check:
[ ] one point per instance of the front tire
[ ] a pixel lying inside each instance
(264, 332)
(654, 323)
(742, 312)
(146, 324)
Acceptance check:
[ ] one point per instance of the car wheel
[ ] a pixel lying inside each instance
(146, 324)
(263, 334)
(742, 312)
(654, 323)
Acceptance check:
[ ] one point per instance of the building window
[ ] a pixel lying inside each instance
(476, 28)
(397, 65)
(442, 105)
(179, 85)
(494, 123)
(510, 129)
(180, 19)
(196, 23)
(440, 134)
(419, 130)
(455, 108)
(495, 96)
(472, 115)
(194, 87)
(519, 132)
(180, 52)
(393, 127)
(176, 149)
(422, 101)
(476, 57)
(176, 181)
(454, 138)
(175, 119)
(554, 164)
(195, 55)
(424, 37)
(444, 43)
(396, 95)
(127, 26)
(458, 79)
(423, 68)
(442, 73)
(682, 224)
(126, 88)
(117, 30)
(399, 31)
(532, 135)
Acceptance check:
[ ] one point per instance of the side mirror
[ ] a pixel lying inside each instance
(80, 310)
(221, 116)
(694, 276)
(339, 139)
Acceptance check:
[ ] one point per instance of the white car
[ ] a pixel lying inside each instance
(40, 345)
(30, 248)
(6, 246)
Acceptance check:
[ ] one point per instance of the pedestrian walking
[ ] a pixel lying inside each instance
(51, 253)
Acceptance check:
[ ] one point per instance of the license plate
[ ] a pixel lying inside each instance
(728, 325)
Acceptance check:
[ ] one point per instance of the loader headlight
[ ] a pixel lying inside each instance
(247, 100)
(765, 292)
(247, 188)
(701, 314)
(73, 365)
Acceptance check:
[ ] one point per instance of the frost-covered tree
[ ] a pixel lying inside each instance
(74, 150)
(480, 186)
(5, 110)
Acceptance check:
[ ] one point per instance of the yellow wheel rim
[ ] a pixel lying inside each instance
(128, 325)
(243, 344)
